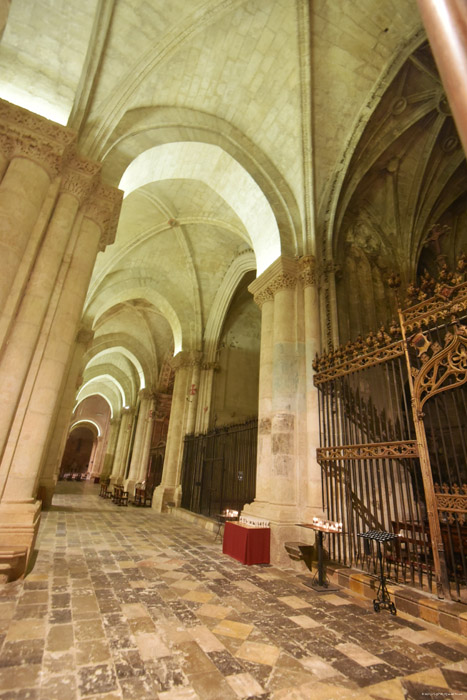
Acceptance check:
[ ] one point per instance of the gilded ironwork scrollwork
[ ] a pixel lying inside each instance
(445, 370)
(399, 450)
(376, 357)
(451, 501)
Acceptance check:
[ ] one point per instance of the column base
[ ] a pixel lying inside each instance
(129, 485)
(19, 525)
(285, 530)
(45, 493)
(164, 496)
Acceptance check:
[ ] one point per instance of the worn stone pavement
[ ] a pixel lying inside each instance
(126, 603)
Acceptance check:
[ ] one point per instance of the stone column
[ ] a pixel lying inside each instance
(60, 424)
(203, 412)
(193, 393)
(27, 325)
(282, 449)
(4, 10)
(328, 303)
(110, 449)
(123, 444)
(135, 464)
(446, 26)
(146, 443)
(169, 488)
(265, 301)
(311, 503)
(37, 148)
(23, 459)
(96, 462)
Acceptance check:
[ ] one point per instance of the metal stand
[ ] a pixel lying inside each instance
(323, 584)
(382, 600)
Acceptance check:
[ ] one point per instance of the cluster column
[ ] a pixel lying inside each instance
(55, 215)
(284, 494)
(169, 488)
(110, 448)
(147, 438)
(123, 445)
(145, 398)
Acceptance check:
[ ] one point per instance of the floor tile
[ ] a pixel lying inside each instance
(131, 604)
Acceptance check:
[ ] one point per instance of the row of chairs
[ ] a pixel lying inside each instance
(120, 497)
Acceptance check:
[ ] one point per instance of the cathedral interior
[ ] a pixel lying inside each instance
(232, 242)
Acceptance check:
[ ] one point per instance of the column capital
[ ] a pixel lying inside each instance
(186, 358)
(104, 209)
(282, 274)
(210, 366)
(27, 135)
(84, 336)
(79, 177)
(145, 393)
(307, 270)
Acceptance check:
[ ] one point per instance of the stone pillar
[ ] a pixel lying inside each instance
(37, 149)
(110, 449)
(311, 504)
(123, 444)
(135, 464)
(265, 301)
(96, 463)
(169, 488)
(203, 412)
(446, 26)
(27, 325)
(146, 444)
(58, 434)
(24, 455)
(4, 10)
(193, 393)
(328, 303)
(282, 491)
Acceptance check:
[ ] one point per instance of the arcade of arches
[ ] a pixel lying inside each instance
(196, 197)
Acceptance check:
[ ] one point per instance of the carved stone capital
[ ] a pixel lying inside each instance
(144, 394)
(26, 135)
(307, 270)
(80, 177)
(210, 366)
(104, 209)
(6, 144)
(264, 296)
(181, 360)
(281, 275)
(84, 336)
(329, 267)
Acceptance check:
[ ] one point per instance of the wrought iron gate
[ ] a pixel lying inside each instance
(219, 469)
(393, 442)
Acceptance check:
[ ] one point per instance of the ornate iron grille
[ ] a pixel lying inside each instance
(219, 469)
(393, 442)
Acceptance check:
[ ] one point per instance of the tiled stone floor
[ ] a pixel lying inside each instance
(126, 603)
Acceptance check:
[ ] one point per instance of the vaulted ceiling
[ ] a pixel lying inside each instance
(239, 130)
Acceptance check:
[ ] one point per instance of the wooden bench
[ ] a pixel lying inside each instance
(413, 546)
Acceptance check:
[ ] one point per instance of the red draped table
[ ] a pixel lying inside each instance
(249, 545)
